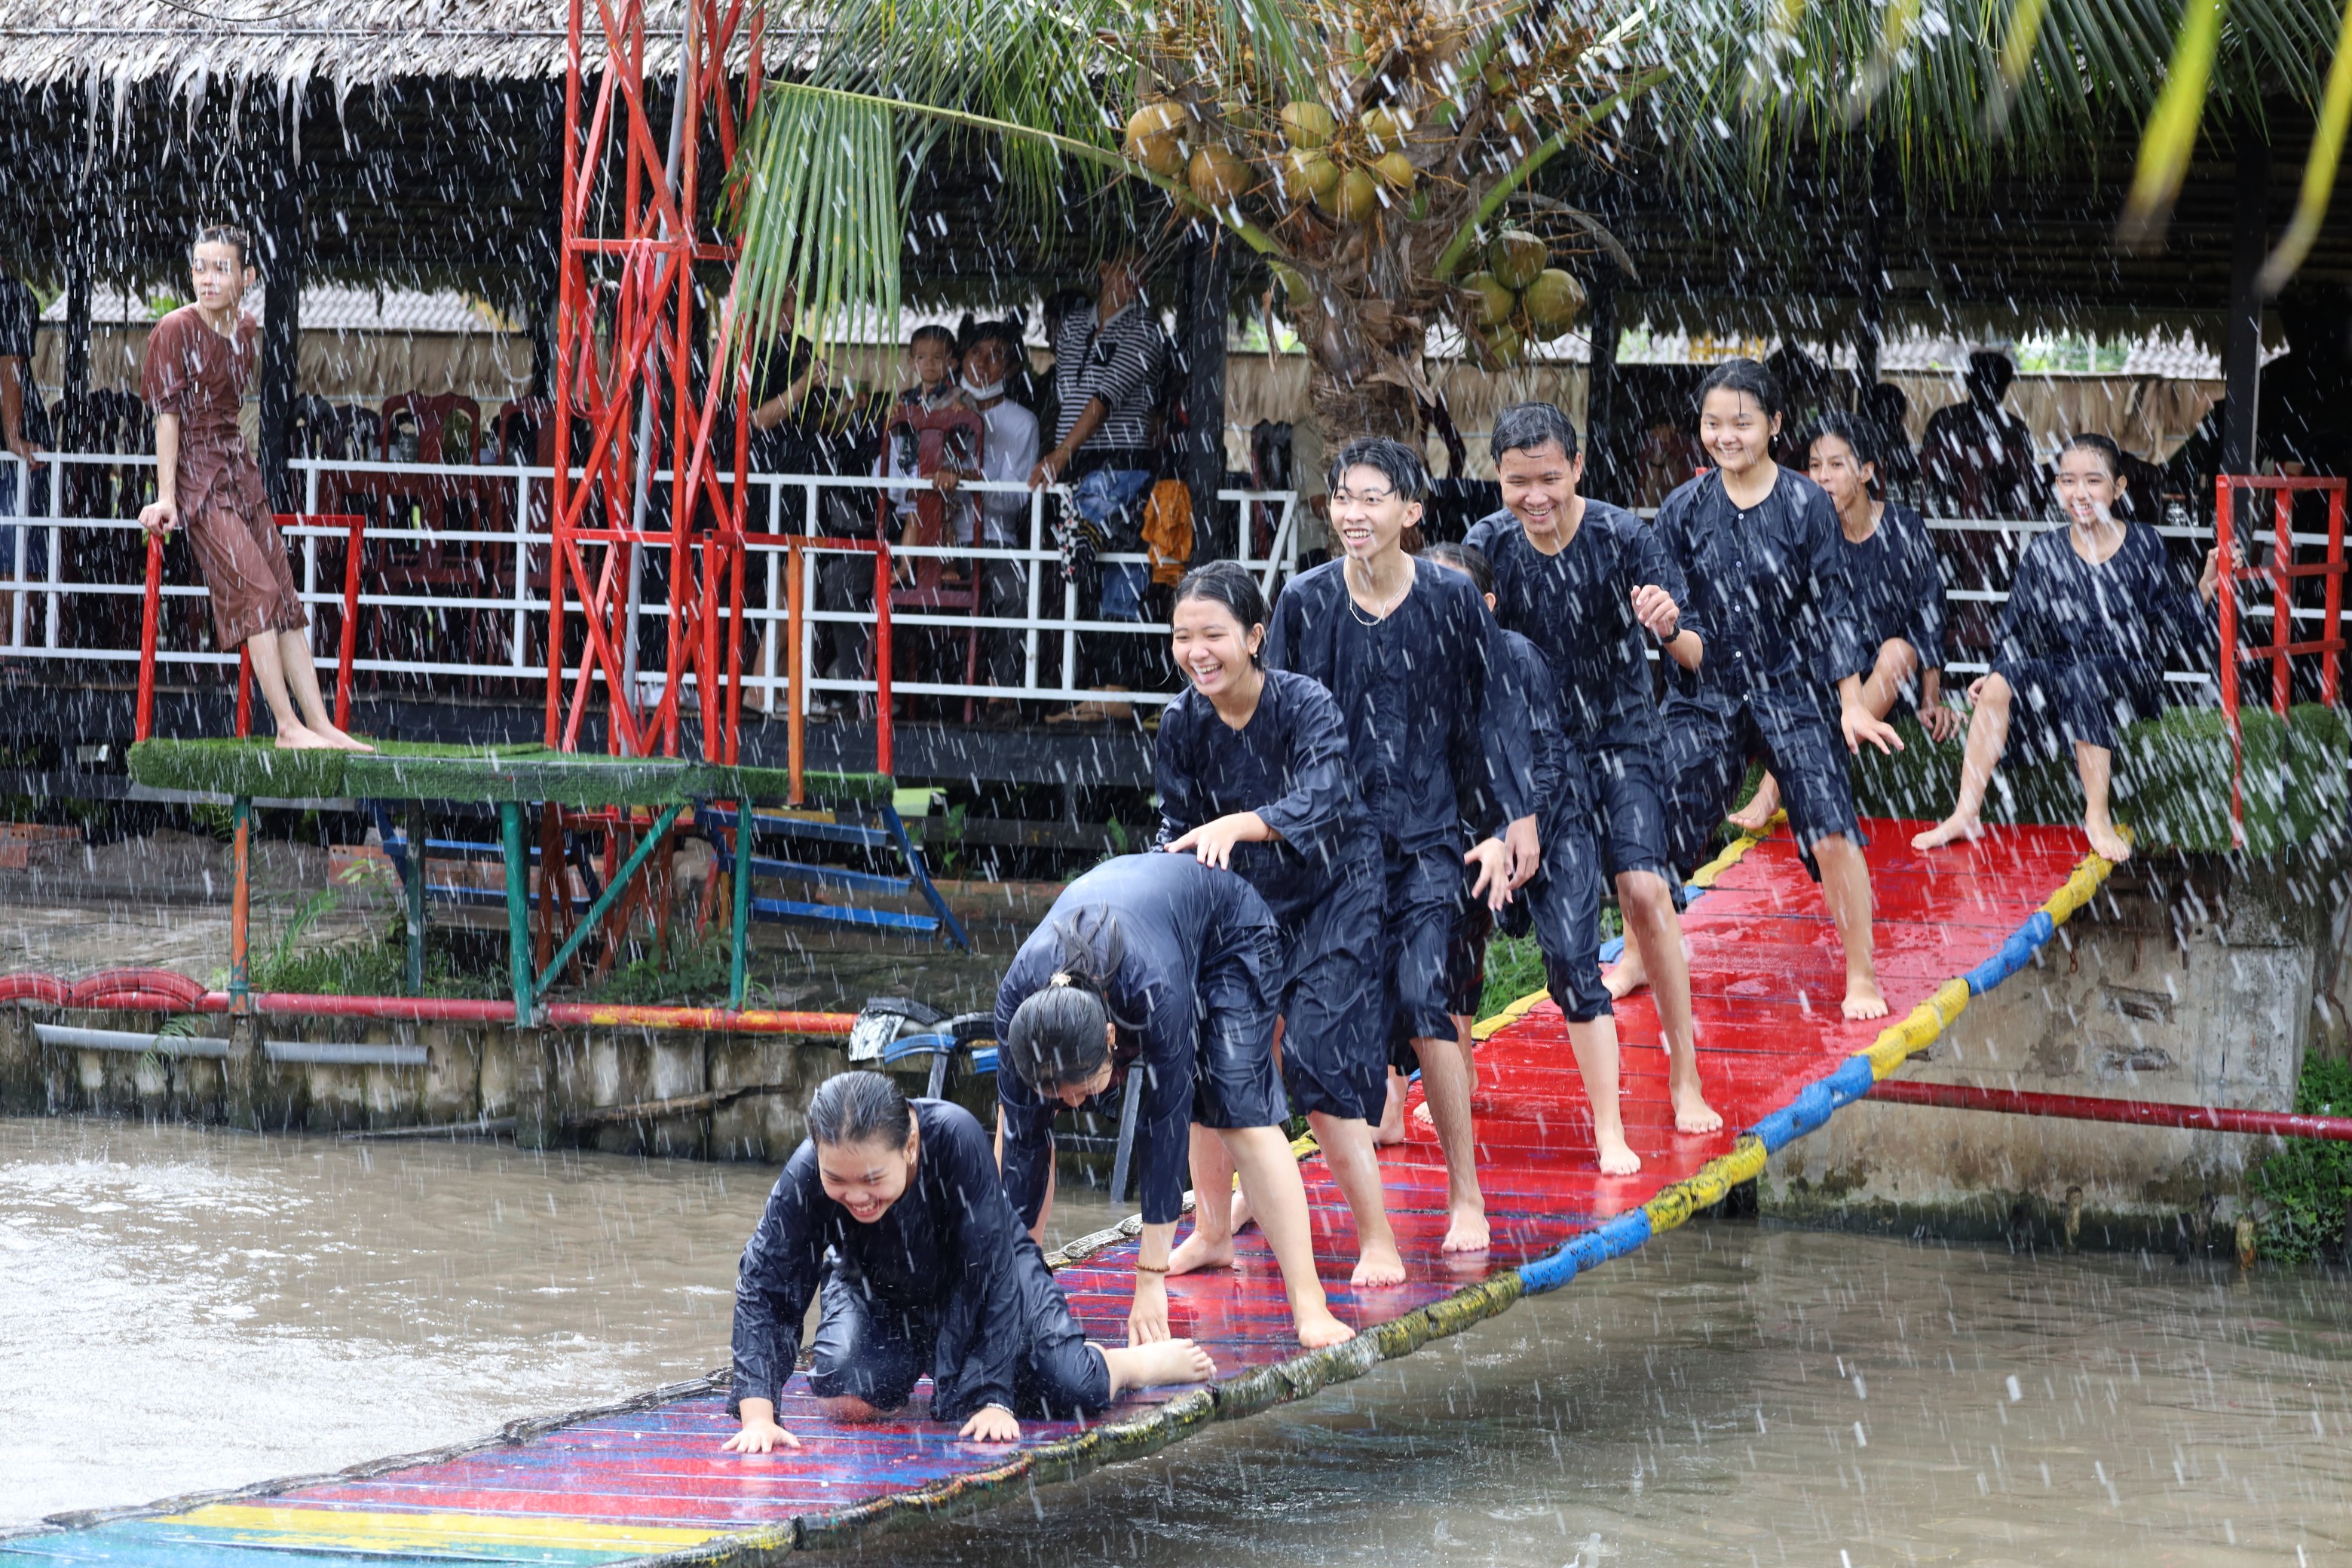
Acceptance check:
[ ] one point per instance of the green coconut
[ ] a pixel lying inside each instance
(1553, 301)
(1356, 197)
(1385, 129)
(1495, 302)
(1307, 125)
(1396, 169)
(1504, 344)
(1517, 258)
(1308, 175)
(1218, 175)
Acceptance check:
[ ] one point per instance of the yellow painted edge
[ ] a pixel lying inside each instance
(319, 1526)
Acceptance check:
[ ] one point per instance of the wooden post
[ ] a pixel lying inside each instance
(1208, 294)
(1601, 384)
(1872, 292)
(2242, 355)
(280, 258)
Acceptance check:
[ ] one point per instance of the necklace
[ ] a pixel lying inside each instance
(1369, 588)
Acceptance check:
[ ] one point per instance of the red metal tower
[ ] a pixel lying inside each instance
(637, 389)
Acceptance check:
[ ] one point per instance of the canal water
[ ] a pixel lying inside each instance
(184, 1308)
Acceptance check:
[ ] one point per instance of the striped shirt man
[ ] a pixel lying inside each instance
(1120, 363)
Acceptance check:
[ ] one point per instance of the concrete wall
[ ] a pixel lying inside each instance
(2188, 983)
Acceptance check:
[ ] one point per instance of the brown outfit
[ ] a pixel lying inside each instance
(193, 371)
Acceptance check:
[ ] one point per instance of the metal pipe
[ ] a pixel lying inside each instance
(718, 1020)
(2094, 1108)
(131, 1040)
(476, 1010)
(343, 1054)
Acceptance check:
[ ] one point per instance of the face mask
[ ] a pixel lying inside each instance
(994, 389)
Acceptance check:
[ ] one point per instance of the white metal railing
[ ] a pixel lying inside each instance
(790, 503)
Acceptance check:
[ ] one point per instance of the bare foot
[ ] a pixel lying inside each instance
(1692, 1112)
(1627, 976)
(339, 740)
(1757, 815)
(1391, 1129)
(1153, 1365)
(1421, 1117)
(294, 738)
(1863, 998)
(1378, 1265)
(1194, 1253)
(1617, 1157)
(1953, 829)
(2105, 842)
(1465, 1231)
(1319, 1328)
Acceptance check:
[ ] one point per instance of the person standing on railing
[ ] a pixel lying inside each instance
(1566, 568)
(998, 519)
(1769, 628)
(1252, 774)
(1898, 588)
(2095, 613)
(20, 405)
(1169, 967)
(1109, 361)
(197, 361)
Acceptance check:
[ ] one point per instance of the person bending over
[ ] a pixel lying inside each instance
(198, 360)
(1568, 572)
(1560, 899)
(1252, 770)
(1770, 627)
(1898, 591)
(890, 1215)
(1402, 648)
(1160, 962)
(2094, 612)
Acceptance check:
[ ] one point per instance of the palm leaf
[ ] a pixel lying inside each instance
(2318, 168)
(2169, 138)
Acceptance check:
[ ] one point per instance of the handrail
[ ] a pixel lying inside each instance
(2283, 572)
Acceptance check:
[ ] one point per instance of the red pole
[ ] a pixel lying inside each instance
(567, 313)
(795, 716)
(2282, 595)
(143, 719)
(348, 649)
(2137, 1113)
(244, 691)
(2332, 633)
(2225, 540)
(881, 656)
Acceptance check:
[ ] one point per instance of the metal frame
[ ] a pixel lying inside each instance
(2282, 572)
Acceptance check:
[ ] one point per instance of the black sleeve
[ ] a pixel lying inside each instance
(19, 320)
(1507, 722)
(1841, 646)
(1312, 816)
(1181, 809)
(1926, 580)
(992, 1237)
(2021, 617)
(775, 1282)
(1028, 1116)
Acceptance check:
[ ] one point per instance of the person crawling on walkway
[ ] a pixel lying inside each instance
(1252, 774)
(1403, 647)
(891, 1216)
(1567, 570)
(1561, 898)
(1769, 630)
(2095, 611)
(1173, 968)
(1898, 591)
(198, 360)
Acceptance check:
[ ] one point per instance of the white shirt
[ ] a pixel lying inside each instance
(1006, 456)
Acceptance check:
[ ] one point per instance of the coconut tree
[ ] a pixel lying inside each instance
(1369, 151)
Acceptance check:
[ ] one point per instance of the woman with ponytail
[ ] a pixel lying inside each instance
(891, 1216)
(1165, 963)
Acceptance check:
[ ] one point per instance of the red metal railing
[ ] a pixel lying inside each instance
(2133, 1112)
(347, 650)
(2283, 572)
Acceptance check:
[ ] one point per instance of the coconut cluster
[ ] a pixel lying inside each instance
(1521, 298)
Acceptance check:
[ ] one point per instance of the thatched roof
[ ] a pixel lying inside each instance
(108, 46)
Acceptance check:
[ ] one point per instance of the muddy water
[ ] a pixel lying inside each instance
(182, 1308)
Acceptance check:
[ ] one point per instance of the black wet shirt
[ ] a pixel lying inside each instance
(1577, 605)
(1770, 592)
(1196, 952)
(940, 1257)
(1412, 687)
(1523, 696)
(1289, 765)
(2131, 613)
(1898, 586)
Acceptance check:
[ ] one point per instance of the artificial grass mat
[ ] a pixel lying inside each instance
(415, 771)
(2172, 779)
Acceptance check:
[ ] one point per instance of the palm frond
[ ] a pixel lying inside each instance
(2318, 170)
(2170, 137)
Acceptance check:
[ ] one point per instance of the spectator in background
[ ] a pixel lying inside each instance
(1888, 412)
(1977, 462)
(998, 519)
(19, 417)
(1109, 361)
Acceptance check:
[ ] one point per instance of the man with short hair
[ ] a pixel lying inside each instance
(1566, 570)
(1108, 363)
(1976, 460)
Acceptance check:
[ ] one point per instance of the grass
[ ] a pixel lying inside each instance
(2304, 1187)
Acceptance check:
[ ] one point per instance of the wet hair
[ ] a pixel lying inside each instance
(1466, 559)
(1886, 403)
(1992, 367)
(860, 1106)
(224, 234)
(932, 331)
(1397, 463)
(1744, 375)
(1856, 433)
(1226, 582)
(1008, 331)
(1525, 427)
(1059, 1034)
(2089, 441)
